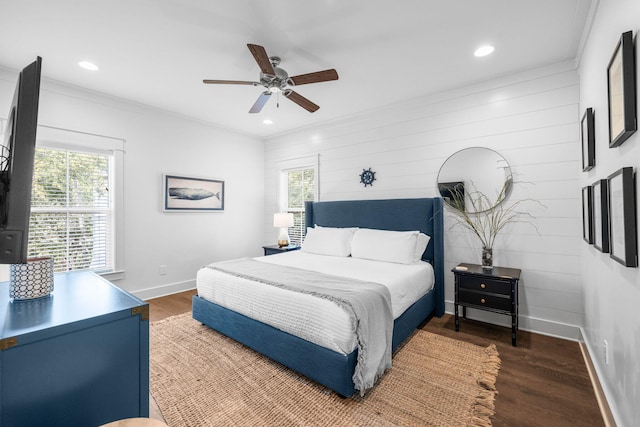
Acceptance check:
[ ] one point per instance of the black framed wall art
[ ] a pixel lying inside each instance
(183, 193)
(621, 86)
(588, 140)
(601, 215)
(622, 218)
(587, 219)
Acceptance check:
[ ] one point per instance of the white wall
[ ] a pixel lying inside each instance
(530, 118)
(158, 142)
(611, 291)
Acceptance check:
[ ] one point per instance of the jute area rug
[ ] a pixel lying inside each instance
(199, 377)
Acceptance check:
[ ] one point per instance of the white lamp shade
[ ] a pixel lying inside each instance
(283, 220)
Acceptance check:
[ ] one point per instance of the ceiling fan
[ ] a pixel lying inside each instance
(275, 79)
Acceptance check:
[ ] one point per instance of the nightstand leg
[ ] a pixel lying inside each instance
(514, 329)
(457, 319)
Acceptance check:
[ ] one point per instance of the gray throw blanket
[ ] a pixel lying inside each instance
(368, 305)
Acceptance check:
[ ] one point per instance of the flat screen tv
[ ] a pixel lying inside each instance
(16, 166)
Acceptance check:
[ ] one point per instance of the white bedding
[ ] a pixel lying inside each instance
(313, 319)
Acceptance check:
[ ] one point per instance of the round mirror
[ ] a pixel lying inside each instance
(475, 179)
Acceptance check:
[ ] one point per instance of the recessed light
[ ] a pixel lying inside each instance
(267, 122)
(484, 50)
(88, 65)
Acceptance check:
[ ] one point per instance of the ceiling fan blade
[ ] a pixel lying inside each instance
(261, 57)
(262, 99)
(230, 82)
(318, 76)
(301, 101)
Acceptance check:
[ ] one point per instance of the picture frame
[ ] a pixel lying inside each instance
(621, 90)
(588, 140)
(622, 217)
(600, 190)
(183, 193)
(587, 219)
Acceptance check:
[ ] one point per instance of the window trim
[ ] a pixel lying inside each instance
(288, 165)
(65, 139)
(284, 166)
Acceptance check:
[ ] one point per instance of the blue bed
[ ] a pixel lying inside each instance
(329, 368)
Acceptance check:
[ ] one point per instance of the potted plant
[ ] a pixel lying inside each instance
(487, 217)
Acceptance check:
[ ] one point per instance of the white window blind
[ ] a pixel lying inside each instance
(300, 188)
(298, 184)
(72, 212)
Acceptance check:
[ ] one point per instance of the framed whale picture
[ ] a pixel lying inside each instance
(183, 193)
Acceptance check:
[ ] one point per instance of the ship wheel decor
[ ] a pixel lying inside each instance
(367, 177)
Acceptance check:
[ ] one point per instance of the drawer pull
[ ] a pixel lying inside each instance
(482, 300)
(482, 285)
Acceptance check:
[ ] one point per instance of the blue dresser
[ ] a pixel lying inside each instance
(79, 357)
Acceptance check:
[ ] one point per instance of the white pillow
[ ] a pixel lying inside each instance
(421, 245)
(328, 241)
(385, 245)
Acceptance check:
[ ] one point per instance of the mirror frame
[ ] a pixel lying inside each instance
(446, 187)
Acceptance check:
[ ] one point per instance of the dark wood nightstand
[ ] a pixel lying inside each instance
(493, 290)
(275, 249)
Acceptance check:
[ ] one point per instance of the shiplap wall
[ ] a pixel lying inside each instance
(531, 118)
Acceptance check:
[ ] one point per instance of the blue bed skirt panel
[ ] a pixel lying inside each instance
(327, 367)
(331, 369)
(413, 317)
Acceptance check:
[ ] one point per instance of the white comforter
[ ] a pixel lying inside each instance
(316, 320)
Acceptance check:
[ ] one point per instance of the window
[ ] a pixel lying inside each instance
(71, 209)
(76, 202)
(298, 184)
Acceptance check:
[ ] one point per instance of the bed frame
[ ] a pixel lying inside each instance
(327, 367)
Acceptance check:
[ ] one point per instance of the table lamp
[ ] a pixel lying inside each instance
(283, 221)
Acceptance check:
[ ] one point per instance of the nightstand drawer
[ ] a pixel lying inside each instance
(485, 285)
(484, 300)
(494, 289)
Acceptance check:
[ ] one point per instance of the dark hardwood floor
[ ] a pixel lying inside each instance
(542, 382)
(161, 308)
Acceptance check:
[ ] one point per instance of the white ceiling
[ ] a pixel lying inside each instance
(156, 52)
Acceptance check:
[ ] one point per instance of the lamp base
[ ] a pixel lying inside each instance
(283, 243)
(283, 238)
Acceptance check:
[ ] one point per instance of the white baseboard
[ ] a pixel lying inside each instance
(603, 396)
(164, 290)
(525, 323)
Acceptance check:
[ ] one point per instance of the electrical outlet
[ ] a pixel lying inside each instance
(605, 346)
(163, 270)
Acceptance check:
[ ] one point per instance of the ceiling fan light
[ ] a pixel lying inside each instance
(484, 51)
(274, 89)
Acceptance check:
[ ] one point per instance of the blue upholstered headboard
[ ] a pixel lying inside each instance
(425, 215)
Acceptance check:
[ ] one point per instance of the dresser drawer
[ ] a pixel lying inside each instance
(484, 300)
(484, 285)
